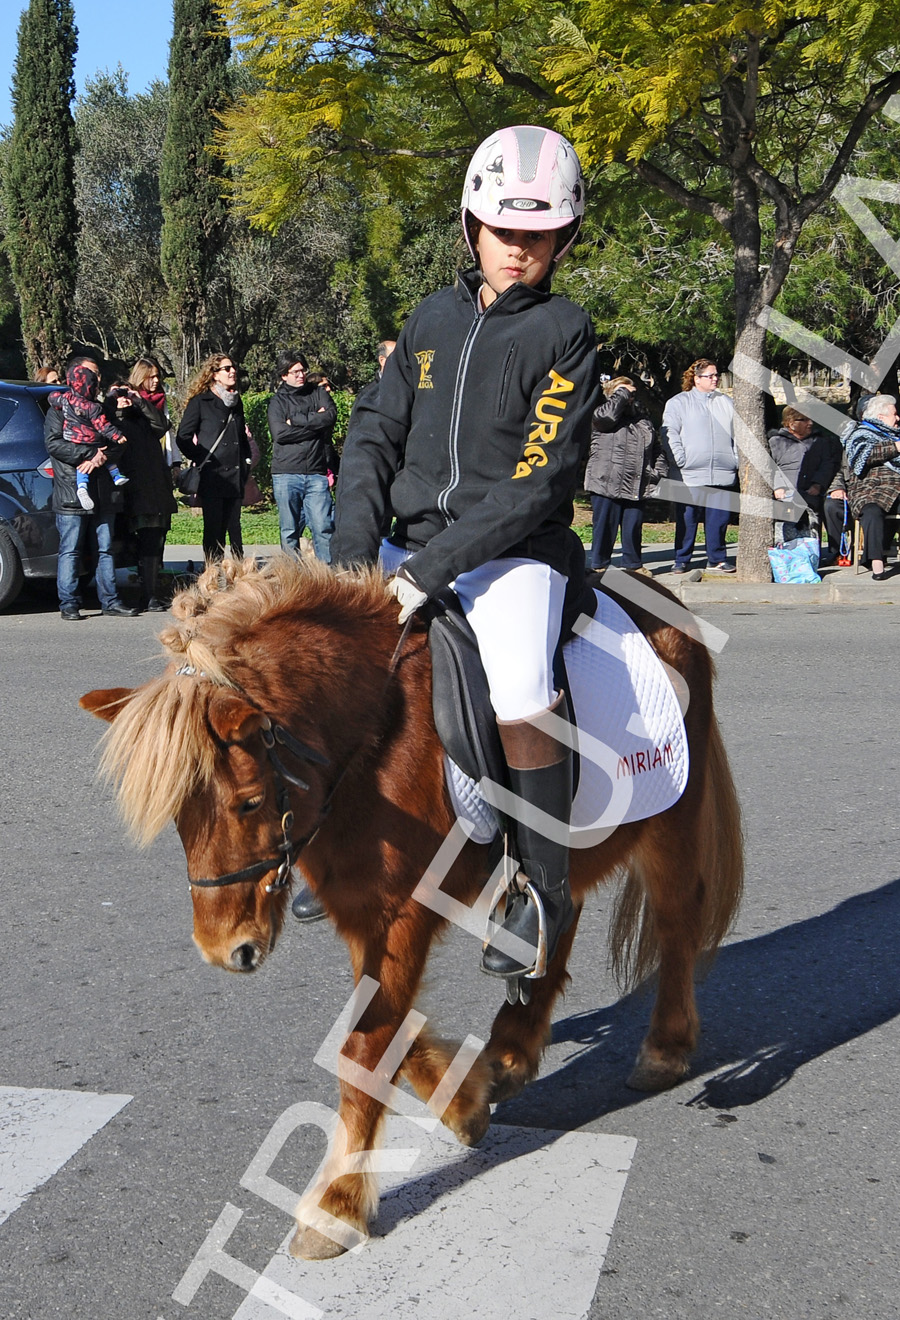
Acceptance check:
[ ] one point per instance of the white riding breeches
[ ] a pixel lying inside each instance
(515, 609)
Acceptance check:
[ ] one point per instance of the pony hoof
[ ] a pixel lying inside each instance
(309, 1244)
(654, 1075)
(510, 1080)
(471, 1132)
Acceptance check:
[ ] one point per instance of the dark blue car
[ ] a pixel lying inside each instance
(28, 536)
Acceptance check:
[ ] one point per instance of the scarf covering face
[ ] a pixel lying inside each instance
(228, 397)
(862, 439)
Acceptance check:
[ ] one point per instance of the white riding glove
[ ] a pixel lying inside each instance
(408, 593)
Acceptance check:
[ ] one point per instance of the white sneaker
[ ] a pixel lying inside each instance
(84, 498)
(120, 480)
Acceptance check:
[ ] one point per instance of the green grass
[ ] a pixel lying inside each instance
(262, 528)
(258, 528)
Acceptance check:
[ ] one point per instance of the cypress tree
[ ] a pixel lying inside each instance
(191, 177)
(41, 228)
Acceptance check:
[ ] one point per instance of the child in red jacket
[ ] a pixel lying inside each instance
(84, 423)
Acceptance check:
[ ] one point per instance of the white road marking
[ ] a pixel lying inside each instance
(40, 1131)
(518, 1227)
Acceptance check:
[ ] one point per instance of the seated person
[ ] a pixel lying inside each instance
(873, 461)
(836, 513)
(805, 463)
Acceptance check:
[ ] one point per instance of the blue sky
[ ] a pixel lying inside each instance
(109, 33)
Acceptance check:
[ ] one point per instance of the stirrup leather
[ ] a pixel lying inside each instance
(503, 891)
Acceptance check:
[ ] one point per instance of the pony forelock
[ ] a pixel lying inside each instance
(160, 749)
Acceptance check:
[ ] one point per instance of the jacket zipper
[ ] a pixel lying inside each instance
(453, 437)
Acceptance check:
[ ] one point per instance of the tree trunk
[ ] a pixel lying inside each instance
(749, 422)
(756, 528)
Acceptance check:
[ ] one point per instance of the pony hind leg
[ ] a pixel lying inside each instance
(687, 910)
(521, 1032)
(658, 923)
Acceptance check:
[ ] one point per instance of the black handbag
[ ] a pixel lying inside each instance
(187, 479)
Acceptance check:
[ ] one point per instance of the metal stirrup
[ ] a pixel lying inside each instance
(501, 893)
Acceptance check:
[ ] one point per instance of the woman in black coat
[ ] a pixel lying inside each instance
(213, 434)
(139, 411)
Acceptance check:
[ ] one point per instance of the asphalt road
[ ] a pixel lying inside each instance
(765, 1185)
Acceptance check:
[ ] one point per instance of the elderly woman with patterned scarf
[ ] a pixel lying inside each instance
(873, 488)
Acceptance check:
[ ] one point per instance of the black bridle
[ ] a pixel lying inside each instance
(288, 849)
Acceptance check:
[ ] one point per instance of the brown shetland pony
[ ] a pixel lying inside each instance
(309, 650)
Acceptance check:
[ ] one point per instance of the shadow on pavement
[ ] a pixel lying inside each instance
(768, 1006)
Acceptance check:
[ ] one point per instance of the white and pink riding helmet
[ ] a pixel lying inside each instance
(525, 177)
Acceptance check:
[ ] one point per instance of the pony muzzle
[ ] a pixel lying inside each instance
(244, 955)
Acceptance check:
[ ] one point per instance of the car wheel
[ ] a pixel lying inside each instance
(11, 575)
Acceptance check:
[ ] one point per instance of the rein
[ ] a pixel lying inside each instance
(288, 849)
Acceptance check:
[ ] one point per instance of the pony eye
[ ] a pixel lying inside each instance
(251, 805)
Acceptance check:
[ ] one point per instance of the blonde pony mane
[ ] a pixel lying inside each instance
(159, 750)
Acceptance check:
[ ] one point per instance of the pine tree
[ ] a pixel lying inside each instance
(191, 177)
(39, 188)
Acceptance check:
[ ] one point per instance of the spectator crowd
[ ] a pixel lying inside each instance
(117, 454)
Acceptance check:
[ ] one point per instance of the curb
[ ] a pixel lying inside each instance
(841, 586)
(827, 592)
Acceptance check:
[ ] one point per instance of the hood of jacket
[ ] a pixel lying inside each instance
(83, 382)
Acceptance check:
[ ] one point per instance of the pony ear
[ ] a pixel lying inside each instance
(232, 719)
(105, 703)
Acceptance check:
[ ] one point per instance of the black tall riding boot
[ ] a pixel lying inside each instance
(540, 771)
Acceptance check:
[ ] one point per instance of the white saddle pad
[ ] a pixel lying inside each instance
(630, 733)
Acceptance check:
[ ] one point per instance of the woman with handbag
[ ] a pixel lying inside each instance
(213, 436)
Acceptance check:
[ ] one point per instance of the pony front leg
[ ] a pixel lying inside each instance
(462, 1103)
(334, 1215)
(521, 1032)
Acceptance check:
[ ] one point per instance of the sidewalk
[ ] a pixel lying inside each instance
(839, 586)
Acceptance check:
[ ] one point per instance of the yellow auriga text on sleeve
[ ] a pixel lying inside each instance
(549, 413)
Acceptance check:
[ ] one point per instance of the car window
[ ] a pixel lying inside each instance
(7, 408)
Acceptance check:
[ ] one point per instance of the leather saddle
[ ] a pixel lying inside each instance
(463, 715)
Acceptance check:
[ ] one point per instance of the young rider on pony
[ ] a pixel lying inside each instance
(474, 443)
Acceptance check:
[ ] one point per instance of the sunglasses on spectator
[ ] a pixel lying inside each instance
(708, 375)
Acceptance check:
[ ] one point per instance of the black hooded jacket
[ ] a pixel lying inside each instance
(475, 437)
(626, 456)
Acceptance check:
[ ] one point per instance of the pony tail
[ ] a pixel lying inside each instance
(712, 846)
